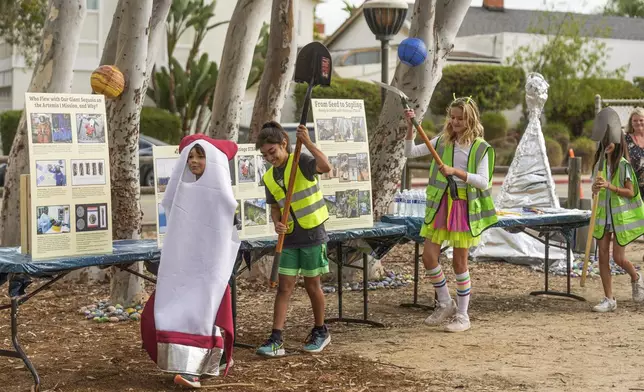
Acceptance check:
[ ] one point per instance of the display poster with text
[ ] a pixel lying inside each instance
(341, 133)
(70, 175)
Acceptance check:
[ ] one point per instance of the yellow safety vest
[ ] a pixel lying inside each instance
(627, 214)
(480, 206)
(307, 201)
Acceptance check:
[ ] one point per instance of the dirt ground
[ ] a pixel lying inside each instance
(517, 342)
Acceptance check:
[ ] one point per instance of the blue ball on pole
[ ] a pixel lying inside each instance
(412, 51)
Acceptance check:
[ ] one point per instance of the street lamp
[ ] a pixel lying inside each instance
(385, 18)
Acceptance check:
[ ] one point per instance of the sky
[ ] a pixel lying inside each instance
(330, 11)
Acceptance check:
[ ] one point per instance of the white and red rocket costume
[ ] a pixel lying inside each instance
(182, 321)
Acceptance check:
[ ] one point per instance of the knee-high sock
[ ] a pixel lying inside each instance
(439, 282)
(463, 288)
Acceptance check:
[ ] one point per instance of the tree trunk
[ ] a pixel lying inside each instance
(137, 41)
(236, 61)
(278, 69)
(436, 23)
(53, 73)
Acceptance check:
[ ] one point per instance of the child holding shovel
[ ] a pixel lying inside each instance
(304, 248)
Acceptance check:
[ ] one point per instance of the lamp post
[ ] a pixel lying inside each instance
(385, 18)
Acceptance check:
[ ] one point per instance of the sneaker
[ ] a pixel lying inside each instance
(460, 323)
(638, 289)
(607, 305)
(442, 312)
(187, 380)
(317, 340)
(271, 348)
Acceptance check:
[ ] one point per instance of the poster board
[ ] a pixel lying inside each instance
(70, 175)
(341, 133)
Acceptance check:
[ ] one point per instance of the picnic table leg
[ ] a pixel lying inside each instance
(415, 304)
(546, 269)
(365, 271)
(19, 353)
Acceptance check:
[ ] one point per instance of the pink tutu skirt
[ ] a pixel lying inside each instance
(450, 225)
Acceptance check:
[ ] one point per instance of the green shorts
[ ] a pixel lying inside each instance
(310, 262)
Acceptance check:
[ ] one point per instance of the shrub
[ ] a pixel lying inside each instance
(9, 122)
(493, 87)
(582, 108)
(161, 124)
(504, 156)
(495, 125)
(588, 128)
(585, 148)
(345, 89)
(559, 132)
(554, 152)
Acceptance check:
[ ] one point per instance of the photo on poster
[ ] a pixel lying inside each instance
(91, 217)
(343, 168)
(231, 167)
(52, 219)
(163, 221)
(359, 129)
(238, 219)
(246, 169)
(325, 129)
(51, 173)
(90, 128)
(329, 200)
(353, 167)
(338, 129)
(164, 168)
(353, 208)
(341, 207)
(88, 172)
(363, 166)
(262, 168)
(51, 128)
(364, 200)
(255, 212)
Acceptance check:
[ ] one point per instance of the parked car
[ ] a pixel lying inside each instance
(146, 170)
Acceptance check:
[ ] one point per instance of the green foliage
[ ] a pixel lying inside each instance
(187, 90)
(504, 155)
(495, 126)
(345, 89)
(21, 24)
(492, 87)
(585, 148)
(160, 124)
(9, 122)
(573, 63)
(588, 128)
(558, 132)
(554, 152)
(630, 8)
(259, 57)
(638, 81)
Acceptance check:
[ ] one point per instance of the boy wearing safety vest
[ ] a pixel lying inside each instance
(620, 213)
(304, 248)
(459, 205)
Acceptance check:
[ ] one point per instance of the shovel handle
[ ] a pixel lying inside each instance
(423, 135)
(589, 240)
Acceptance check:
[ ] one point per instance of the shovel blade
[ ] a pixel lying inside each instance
(313, 65)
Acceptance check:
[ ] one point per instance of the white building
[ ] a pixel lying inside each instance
(490, 34)
(15, 76)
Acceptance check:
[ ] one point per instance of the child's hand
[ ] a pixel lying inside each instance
(446, 170)
(599, 184)
(303, 135)
(280, 228)
(409, 114)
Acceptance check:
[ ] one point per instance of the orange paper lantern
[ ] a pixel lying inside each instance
(108, 80)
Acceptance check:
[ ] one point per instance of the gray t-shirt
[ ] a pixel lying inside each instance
(299, 238)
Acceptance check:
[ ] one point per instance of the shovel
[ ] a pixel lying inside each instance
(313, 66)
(404, 99)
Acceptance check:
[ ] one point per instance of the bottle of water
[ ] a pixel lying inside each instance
(404, 201)
(409, 204)
(414, 203)
(397, 203)
(419, 203)
(423, 203)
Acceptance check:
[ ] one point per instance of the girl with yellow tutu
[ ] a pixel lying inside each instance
(459, 205)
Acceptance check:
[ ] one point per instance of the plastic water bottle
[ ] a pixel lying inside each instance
(404, 202)
(419, 203)
(409, 204)
(414, 202)
(397, 203)
(423, 203)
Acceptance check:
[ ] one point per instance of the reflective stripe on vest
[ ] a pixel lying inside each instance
(481, 210)
(307, 201)
(627, 214)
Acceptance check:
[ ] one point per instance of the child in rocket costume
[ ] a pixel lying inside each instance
(181, 322)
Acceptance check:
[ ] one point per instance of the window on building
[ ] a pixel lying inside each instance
(92, 4)
(362, 58)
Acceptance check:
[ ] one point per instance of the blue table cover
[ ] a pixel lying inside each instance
(128, 251)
